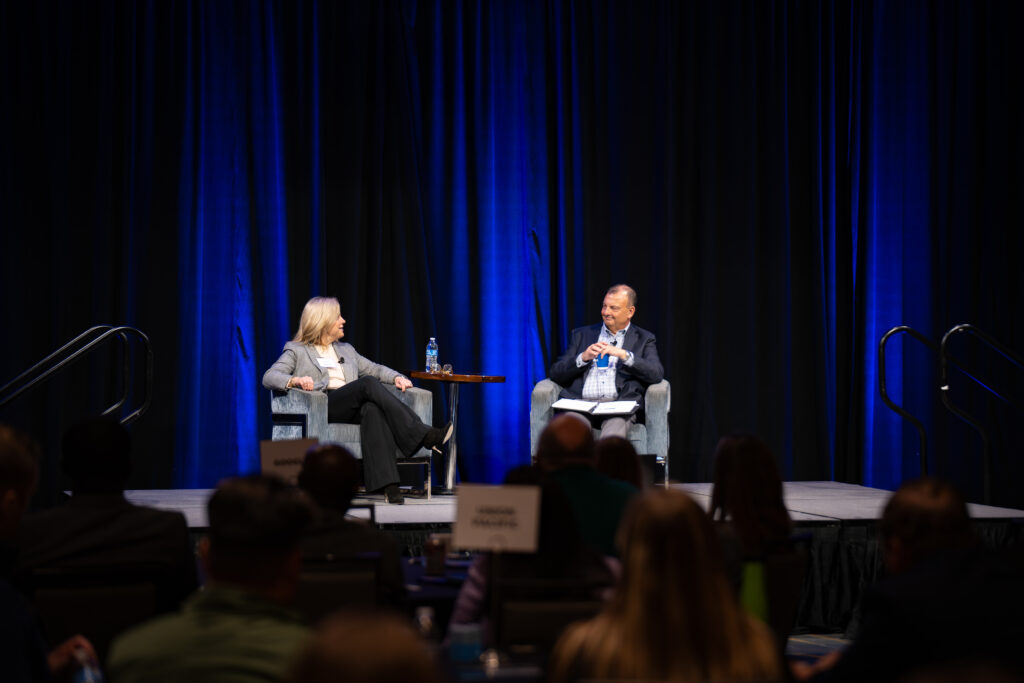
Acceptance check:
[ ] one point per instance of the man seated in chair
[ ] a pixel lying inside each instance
(98, 528)
(611, 360)
(239, 627)
(330, 475)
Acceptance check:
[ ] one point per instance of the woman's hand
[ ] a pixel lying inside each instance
(403, 383)
(305, 383)
(62, 661)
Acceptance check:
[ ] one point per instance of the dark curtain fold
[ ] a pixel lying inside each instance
(782, 182)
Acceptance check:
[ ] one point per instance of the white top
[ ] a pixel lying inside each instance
(328, 359)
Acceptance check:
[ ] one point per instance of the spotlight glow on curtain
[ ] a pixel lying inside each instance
(232, 252)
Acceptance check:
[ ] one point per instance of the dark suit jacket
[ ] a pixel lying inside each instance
(333, 534)
(105, 530)
(631, 382)
(957, 606)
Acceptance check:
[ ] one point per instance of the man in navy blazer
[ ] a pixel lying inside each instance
(612, 360)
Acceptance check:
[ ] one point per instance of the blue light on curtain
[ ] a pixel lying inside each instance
(231, 163)
(895, 261)
(489, 217)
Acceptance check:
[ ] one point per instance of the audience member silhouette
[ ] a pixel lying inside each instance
(561, 554)
(23, 652)
(946, 600)
(238, 627)
(98, 527)
(365, 648)
(565, 452)
(747, 493)
(330, 474)
(754, 527)
(617, 458)
(674, 616)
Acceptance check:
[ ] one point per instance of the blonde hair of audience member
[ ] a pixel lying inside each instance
(358, 647)
(674, 616)
(318, 314)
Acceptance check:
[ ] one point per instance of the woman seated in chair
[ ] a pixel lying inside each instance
(673, 617)
(315, 360)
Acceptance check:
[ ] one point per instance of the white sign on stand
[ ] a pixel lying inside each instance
(497, 518)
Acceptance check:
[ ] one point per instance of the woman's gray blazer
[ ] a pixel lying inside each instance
(300, 360)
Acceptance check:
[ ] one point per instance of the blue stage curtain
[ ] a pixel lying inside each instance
(782, 182)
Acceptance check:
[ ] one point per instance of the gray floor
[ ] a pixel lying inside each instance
(807, 501)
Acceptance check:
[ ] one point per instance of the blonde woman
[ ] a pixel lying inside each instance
(674, 616)
(317, 360)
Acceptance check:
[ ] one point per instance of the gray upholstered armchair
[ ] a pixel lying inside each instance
(648, 438)
(299, 414)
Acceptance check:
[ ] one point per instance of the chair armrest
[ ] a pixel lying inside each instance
(312, 404)
(544, 394)
(657, 404)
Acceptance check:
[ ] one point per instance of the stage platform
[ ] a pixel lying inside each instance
(824, 502)
(838, 522)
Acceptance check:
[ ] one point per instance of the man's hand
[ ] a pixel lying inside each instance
(305, 383)
(402, 383)
(592, 352)
(599, 348)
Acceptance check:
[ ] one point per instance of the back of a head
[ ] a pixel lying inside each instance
(255, 523)
(330, 474)
(747, 490)
(365, 648)
(668, 544)
(566, 440)
(616, 457)
(19, 474)
(96, 455)
(926, 516)
(19, 461)
(674, 616)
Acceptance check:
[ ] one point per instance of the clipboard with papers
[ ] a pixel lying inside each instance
(597, 407)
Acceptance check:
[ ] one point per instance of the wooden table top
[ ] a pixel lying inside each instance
(441, 377)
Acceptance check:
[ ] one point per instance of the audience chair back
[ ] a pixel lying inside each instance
(330, 582)
(97, 602)
(530, 614)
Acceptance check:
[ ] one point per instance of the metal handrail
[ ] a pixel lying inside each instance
(50, 365)
(921, 435)
(964, 415)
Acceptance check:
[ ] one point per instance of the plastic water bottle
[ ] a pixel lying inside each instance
(425, 624)
(88, 670)
(432, 355)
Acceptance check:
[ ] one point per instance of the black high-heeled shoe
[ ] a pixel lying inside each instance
(438, 436)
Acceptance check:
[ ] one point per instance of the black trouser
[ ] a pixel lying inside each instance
(385, 423)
